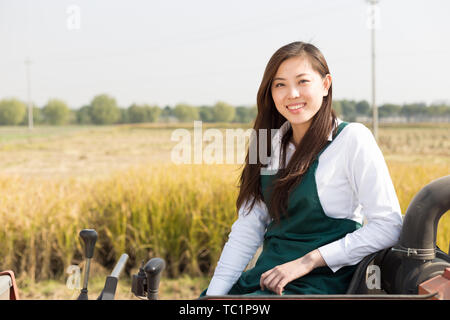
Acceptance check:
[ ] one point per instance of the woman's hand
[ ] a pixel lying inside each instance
(275, 279)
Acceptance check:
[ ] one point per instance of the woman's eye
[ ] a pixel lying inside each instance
(281, 84)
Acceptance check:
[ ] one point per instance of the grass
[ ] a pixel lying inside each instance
(182, 288)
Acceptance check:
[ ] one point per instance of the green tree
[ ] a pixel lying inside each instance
(38, 117)
(166, 112)
(348, 110)
(438, 110)
(56, 112)
(84, 115)
(153, 113)
(362, 108)
(413, 110)
(184, 112)
(206, 113)
(389, 110)
(223, 112)
(243, 114)
(12, 111)
(143, 113)
(123, 117)
(72, 116)
(104, 110)
(137, 114)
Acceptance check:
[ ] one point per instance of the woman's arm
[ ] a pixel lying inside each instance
(276, 278)
(369, 178)
(247, 234)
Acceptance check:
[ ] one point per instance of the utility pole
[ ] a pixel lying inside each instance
(372, 24)
(30, 104)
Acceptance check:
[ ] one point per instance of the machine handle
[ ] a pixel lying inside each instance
(89, 237)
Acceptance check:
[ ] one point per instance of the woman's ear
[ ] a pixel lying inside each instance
(326, 84)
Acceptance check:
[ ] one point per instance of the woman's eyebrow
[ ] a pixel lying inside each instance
(298, 76)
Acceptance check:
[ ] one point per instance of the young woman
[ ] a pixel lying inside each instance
(327, 175)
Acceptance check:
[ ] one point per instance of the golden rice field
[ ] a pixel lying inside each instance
(120, 180)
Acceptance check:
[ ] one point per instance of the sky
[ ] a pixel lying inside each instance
(203, 51)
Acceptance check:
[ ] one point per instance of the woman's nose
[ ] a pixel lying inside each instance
(294, 92)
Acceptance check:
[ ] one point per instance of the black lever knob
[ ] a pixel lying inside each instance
(153, 269)
(89, 237)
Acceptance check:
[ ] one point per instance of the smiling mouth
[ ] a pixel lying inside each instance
(296, 106)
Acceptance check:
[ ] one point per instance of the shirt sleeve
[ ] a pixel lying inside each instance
(246, 236)
(370, 180)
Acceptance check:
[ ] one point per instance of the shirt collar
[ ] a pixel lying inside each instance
(276, 140)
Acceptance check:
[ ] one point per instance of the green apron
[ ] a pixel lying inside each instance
(305, 229)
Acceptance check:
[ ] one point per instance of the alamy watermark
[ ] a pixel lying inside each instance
(74, 280)
(211, 146)
(73, 21)
(373, 277)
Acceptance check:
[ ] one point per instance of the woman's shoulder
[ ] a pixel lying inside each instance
(357, 140)
(356, 132)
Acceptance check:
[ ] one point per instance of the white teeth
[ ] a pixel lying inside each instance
(297, 106)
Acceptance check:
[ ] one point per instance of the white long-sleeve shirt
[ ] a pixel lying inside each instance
(353, 182)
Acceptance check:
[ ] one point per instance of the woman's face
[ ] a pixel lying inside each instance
(298, 90)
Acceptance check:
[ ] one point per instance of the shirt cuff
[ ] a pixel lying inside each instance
(334, 255)
(218, 287)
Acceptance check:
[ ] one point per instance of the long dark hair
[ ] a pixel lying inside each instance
(268, 118)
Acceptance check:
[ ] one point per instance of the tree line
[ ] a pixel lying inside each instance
(104, 110)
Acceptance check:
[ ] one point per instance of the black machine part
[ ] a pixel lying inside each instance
(422, 217)
(139, 282)
(89, 237)
(153, 269)
(146, 282)
(402, 275)
(358, 283)
(109, 291)
(416, 258)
